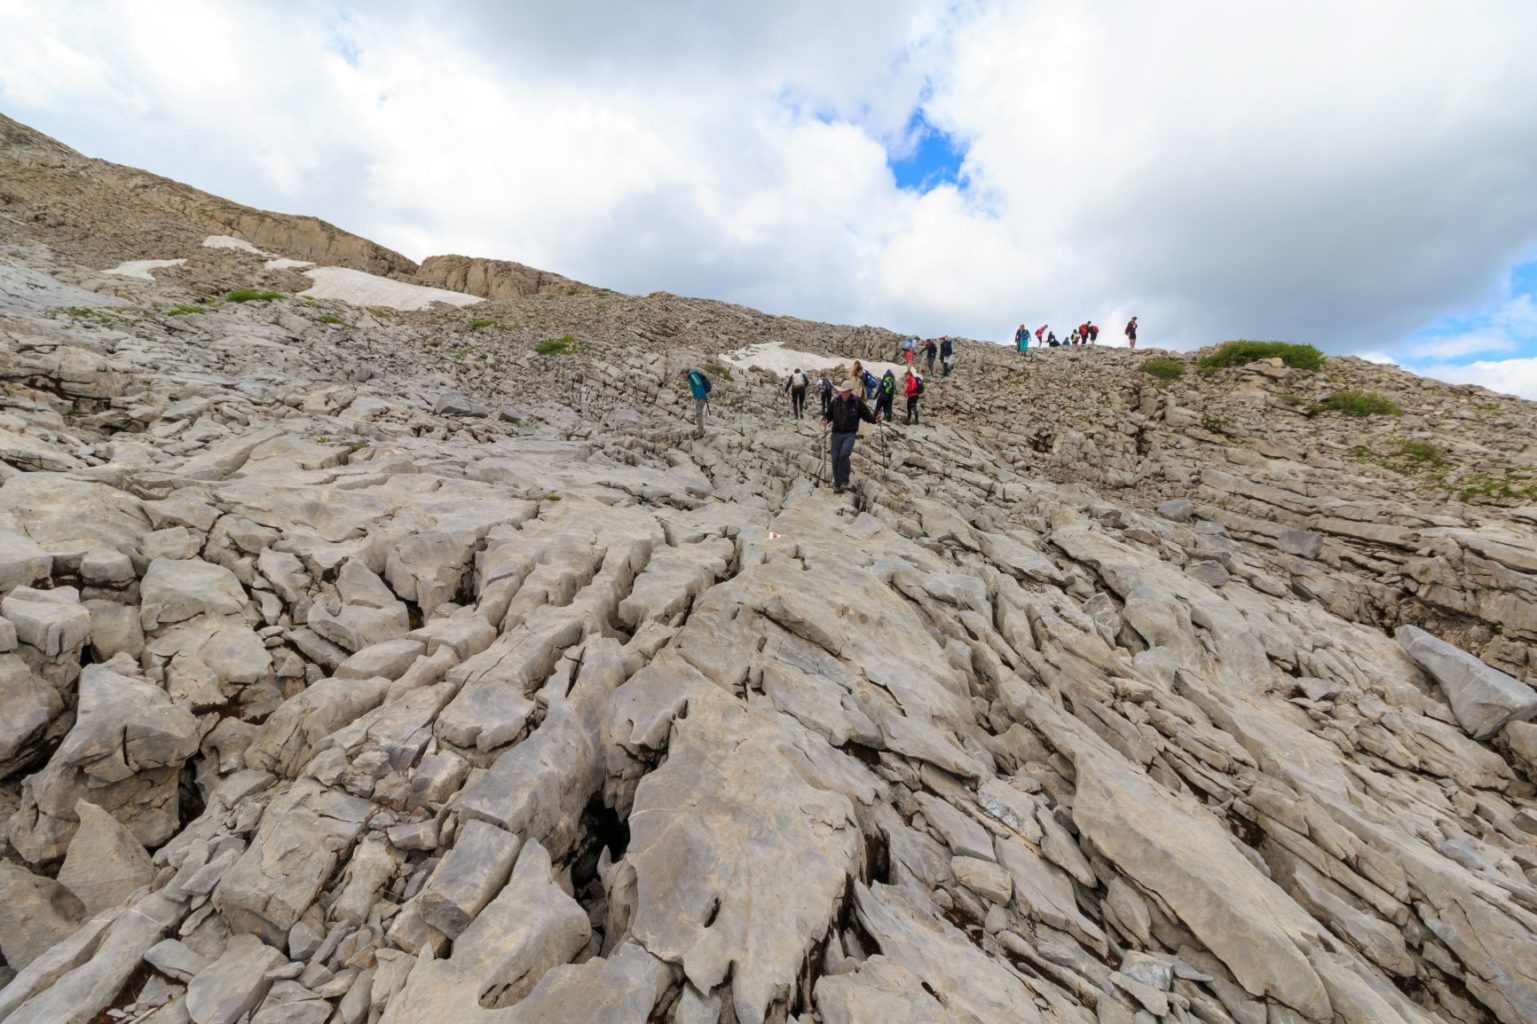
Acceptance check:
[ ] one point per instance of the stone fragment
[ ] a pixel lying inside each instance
(983, 877)
(105, 864)
(468, 878)
(530, 928)
(35, 913)
(175, 590)
(1483, 698)
(123, 754)
(303, 834)
(235, 983)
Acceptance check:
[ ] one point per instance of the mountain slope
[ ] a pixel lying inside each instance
(428, 669)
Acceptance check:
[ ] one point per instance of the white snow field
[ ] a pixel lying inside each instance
(363, 289)
(140, 269)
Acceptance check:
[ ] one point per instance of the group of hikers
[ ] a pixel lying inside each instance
(883, 390)
(844, 403)
(1086, 333)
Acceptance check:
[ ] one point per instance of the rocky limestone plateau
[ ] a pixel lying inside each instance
(410, 667)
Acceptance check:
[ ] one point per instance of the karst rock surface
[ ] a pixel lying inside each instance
(363, 666)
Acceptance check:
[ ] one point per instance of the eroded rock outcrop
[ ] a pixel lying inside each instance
(360, 666)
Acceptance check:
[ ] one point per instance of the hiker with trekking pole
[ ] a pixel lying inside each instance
(843, 416)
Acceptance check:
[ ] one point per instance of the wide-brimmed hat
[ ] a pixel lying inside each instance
(847, 385)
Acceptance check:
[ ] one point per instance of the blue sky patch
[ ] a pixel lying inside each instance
(928, 158)
(1504, 328)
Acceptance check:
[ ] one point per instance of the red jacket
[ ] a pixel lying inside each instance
(911, 387)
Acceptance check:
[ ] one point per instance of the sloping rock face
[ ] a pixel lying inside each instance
(493, 279)
(104, 213)
(529, 706)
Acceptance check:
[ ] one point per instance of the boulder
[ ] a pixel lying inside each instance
(1483, 698)
(35, 913)
(175, 590)
(105, 864)
(123, 754)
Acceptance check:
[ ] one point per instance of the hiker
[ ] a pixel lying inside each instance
(824, 390)
(912, 387)
(929, 351)
(910, 348)
(1022, 339)
(1131, 333)
(946, 356)
(843, 415)
(1093, 333)
(1083, 333)
(1051, 340)
(796, 386)
(885, 395)
(699, 386)
(1038, 332)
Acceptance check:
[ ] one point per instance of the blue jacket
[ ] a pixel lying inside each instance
(696, 385)
(945, 349)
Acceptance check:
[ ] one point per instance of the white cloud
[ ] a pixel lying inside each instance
(1509, 376)
(1340, 175)
(1504, 329)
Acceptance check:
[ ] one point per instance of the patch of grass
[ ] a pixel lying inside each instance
(1215, 424)
(1166, 370)
(331, 318)
(1244, 351)
(1512, 482)
(719, 370)
(1293, 400)
(185, 309)
(552, 497)
(1359, 404)
(555, 346)
(250, 295)
(1407, 457)
(459, 351)
(478, 322)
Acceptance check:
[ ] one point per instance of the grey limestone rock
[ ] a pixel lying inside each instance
(1483, 698)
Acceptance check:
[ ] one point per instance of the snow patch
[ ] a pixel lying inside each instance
(140, 269)
(363, 289)
(284, 263)
(231, 242)
(775, 358)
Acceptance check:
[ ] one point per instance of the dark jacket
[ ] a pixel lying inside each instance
(947, 349)
(845, 413)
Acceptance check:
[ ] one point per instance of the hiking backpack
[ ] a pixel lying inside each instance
(919, 390)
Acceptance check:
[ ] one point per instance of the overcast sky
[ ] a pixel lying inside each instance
(1356, 175)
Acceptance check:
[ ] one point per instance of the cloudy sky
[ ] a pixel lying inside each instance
(1361, 175)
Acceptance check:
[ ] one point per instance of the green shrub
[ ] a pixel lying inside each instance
(1358, 403)
(555, 346)
(1408, 457)
(1239, 353)
(1166, 370)
(331, 318)
(185, 310)
(1513, 482)
(1421, 454)
(481, 321)
(719, 370)
(1215, 424)
(250, 295)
